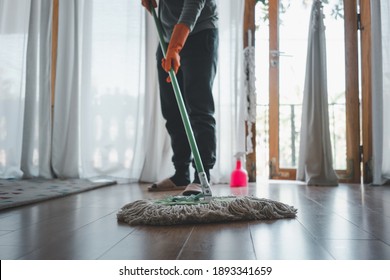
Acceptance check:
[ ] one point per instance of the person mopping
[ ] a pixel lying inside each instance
(191, 33)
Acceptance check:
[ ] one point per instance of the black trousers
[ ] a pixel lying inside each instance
(196, 75)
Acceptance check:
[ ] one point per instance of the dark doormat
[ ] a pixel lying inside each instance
(15, 193)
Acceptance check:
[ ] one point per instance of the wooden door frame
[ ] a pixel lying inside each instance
(352, 174)
(366, 88)
(250, 27)
(275, 171)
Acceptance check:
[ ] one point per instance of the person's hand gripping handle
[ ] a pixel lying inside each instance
(176, 43)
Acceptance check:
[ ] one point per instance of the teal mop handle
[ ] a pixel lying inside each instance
(183, 112)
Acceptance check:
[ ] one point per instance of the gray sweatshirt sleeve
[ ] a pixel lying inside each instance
(191, 11)
(196, 14)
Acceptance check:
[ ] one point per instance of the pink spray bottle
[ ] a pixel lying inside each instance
(239, 176)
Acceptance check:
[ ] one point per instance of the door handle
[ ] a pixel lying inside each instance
(275, 55)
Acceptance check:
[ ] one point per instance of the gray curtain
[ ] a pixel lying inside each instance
(315, 165)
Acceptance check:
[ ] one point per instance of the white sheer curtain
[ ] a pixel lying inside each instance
(107, 119)
(157, 164)
(380, 13)
(25, 124)
(100, 89)
(229, 89)
(14, 19)
(36, 145)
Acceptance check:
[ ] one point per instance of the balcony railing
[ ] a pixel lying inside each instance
(289, 134)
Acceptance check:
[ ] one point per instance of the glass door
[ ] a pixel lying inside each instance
(281, 49)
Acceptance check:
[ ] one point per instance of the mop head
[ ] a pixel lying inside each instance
(171, 211)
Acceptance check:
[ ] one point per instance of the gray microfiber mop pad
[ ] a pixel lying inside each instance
(220, 209)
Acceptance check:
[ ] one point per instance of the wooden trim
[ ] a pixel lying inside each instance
(249, 25)
(284, 174)
(352, 91)
(366, 86)
(275, 171)
(54, 49)
(274, 89)
(352, 174)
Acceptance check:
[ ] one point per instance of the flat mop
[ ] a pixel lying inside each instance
(201, 208)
